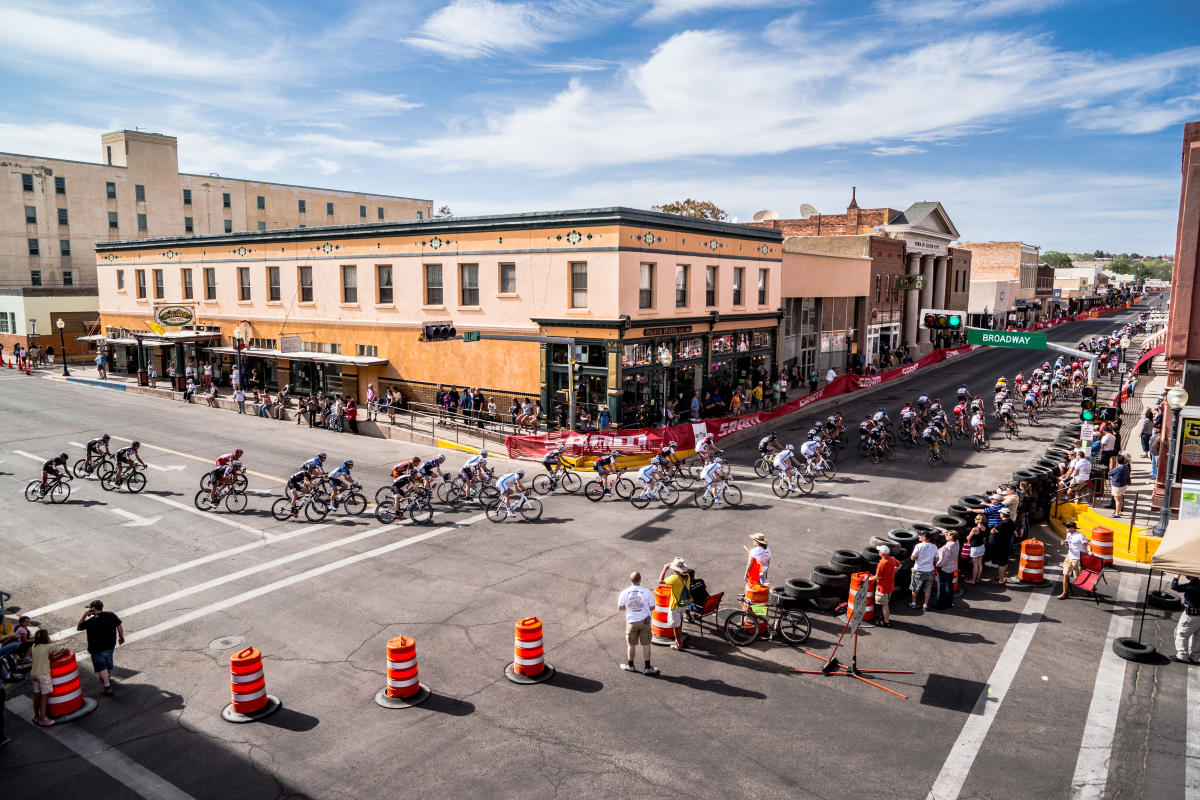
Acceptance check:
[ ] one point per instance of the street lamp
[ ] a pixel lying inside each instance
(666, 359)
(62, 346)
(1177, 398)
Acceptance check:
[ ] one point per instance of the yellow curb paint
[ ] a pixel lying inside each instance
(445, 445)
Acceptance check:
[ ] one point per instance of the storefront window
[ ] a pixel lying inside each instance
(637, 355)
(691, 348)
(743, 343)
(722, 345)
(761, 340)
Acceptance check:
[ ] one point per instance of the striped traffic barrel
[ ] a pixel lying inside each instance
(247, 681)
(661, 630)
(1032, 561)
(1102, 544)
(757, 597)
(529, 654)
(856, 582)
(402, 680)
(66, 693)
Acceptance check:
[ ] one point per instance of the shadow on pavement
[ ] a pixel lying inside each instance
(451, 706)
(953, 694)
(575, 683)
(291, 720)
(712, 685)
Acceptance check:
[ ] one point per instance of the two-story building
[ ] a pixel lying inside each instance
(1002, 263)
(333, 309)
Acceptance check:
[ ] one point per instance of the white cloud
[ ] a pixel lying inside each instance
(54, 139)
(1138, 116)
(669, 9)
(365, 103)
(919, 11)
(897, 150)
(475, 28)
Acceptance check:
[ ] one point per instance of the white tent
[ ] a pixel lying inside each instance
(1180, 548)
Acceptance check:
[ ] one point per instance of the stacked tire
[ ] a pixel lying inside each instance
(832, 587)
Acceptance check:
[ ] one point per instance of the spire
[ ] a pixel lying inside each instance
(853, 201)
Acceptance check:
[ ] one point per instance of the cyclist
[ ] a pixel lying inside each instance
(785, 463)
(712, 473)
(1001, 385)
(1031, 400)
(405, 467)
(316, 463)
(833, 424)
(908, 417)
(960, 413)
(50, 470)
(402, 484)
(606, 466)
(811, 450)
(963, 392)
(663, 458)
(297, 483)
(1006, 413)
(340, 479)
(932, 437)
(221, 475)
(978, 426)
(881, 419)
(229, 458)
(474, 469)
(96, 450)
(977, 402)
(923, 403)
(431, 470)
(508, 485)
(1019, 379)
(127, 455)
(940, 425)
(707, 449)
(936, 409)
(769, 444)
(651, 477)
(554, 461)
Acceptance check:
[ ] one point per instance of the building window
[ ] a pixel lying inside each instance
(681, 285)
(262, 344)
(303, 226)
(35, 277)
(878, 286)
(110, 190)
(225, 200)
(362, 212)
(112, 220)
(158, 284)
(383, 276)
(579, 298)
(508, 279)
(139, 192)
(262, 203)
(468, 279)
(33, 247)
(306, 295)
(739, 276)
(887, 287)
(140, 276)
(210, 283)
(371, 350)
(60, 185)
(188, 227)
(31, 215)
(273, 293)
(108, 153)
(349, 283)
(142, 226)
(229, 226)
(62, 216)
(243, 283)
(120, 280)
(27, 183)
(710, 286)
(762, 287)
(262, 226)
(68, 277)
(433, 284)
(420, 216)
(185, 281)
(302, 206)
(187, 197)
(64, 247)
(379, 212)
(329, 209)
(3, 322)
(646, 286)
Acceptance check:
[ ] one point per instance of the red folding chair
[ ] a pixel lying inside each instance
(1091, 572)
(711, 606)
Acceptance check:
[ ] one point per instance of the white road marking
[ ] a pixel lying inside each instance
(103, 756)
(1095, 751)
(1191, 762)
(828, 507)
(230, 602)
(162, 573)
(134, 520)
(966, 748)
(214, 516)
(76, 444)
(29, 455)
(174, 468)
(885, 503)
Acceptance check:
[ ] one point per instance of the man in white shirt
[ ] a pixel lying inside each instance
(1076, 544)
(831, 376)
(637, 602)
(923, 557)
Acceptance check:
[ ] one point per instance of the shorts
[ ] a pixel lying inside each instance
(42, 684)
(1070, 567)
(921, 581)
(294, 487)
(338, 483)
(882, 598)
(977, 552)
(637, 632)
(102, 660)
(1119, 491)
(675, 617)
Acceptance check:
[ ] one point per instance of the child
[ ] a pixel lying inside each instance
(40, 675)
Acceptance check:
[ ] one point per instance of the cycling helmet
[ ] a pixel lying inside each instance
(773, 435)
(520, 473)
(615, 453)
(237, 451)
(348, 463)
(718, 460)
(883, 411)
(63, 456)
(321, 456)
(136, 444)
(791, 447)
(238, 464)
(672, 445)
(561, 448)
(440, 458)
(105, 437)
(483, 453)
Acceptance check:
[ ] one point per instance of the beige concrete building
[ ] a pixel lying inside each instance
(1002, 262)
(53, 211)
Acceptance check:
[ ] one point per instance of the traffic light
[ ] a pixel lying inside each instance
(935, 319)
(1088, 404)
(438, 332)
(576, 378)
(1106, 414)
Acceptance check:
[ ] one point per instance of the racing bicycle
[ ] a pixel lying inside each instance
(100, 467)
(728, 493)
(789, 624)
(133, 480)
(234, 497)
(313, 504)
(417, 507)
(796, 480)
(558, 476)
(58, 489)
(666, 493)
(530, 508)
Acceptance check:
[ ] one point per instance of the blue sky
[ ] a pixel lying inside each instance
(1051, 121)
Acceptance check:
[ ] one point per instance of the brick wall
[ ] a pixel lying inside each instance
(854, 222)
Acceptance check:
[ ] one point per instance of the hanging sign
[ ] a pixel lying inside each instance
(175, 315)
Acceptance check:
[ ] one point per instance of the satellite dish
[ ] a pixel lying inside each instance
(766, 214)
(807, 210)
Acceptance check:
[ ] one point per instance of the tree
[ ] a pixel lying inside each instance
(1057, 260)
(1099, 254)
(443, 213)
(1134, 257)
(1120, 263)
(703, 209)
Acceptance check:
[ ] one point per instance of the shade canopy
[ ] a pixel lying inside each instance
(1180, 548)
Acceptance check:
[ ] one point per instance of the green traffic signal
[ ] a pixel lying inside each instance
(1087, 416)
(955, 321)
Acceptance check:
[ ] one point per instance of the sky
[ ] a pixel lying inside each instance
(1056, 122)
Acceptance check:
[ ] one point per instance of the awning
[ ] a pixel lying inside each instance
(1149, 354)
(1179, 551)
(321, 358)
(119, 340)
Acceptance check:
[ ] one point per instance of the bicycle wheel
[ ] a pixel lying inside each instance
(703, 499)
(794, 626)
(732, 495)
(906, 439)
(281, 509)
(531, 509)
(780, 487)
(741, 628)
(355, 503)
(104, 468)
(623, 488)
(668, 494)
(762, 467)
(487, 494)
(495, 512)
(135, 482)
(235, 501)
(442, 492)
(315, 510)
(932, 458)
(383, 495)
(889, 451)
(80, 468)
(542, 485)
(241, 482)
(829, 469)
(571, 482)
(863, 450)
(201, 500)
(639, 499)
(420, 512)
(59, 492)
(876, 456)
(106, 481)
(385, 513)
(594, 491)
(804, 482)
(31, 491)
(684, 478)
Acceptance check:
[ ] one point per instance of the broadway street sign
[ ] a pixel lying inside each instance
(1029, 341)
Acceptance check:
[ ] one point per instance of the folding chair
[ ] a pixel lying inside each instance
(1091, 572)
(711, 606)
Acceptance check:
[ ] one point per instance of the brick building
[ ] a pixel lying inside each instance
(1012, 261)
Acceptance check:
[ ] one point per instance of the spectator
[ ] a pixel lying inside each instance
(1187, 632)
(1118, 476)
(104, 633)
(1155, 445)
(352, 414)
(239, 397)
(479, 405)
(680, 596)
(1002, 539)
(814, 380)
(604, 418)
(758, 396)
(189, 391)
(694, 405)
(210, 397)
(395, 403)
(1145, 432)
(235, 377)
(1108, 447)
(152, 374)
(947, 565)
(924, 555)
(830, 376)
(314, 410)
(514, 411)
(637, 602)
(583, 420)
(208, 374)
(101, 364)
(1025, 492)
(1075, 543)
(492, 413)
(4, 738)
(783, 387)
(254, 383)
(735, 404)
(758, 559)
(265, 405)
(18, 642)
(337, 415)
(992, 512)
(885, 584)
(372, 403)
(171, 374)
(39, 673)
(189, 372)
(464, 403)
(699, 593)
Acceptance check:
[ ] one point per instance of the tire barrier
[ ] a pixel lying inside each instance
(856, 582)
(904, 537)
(846, 559)
(661, 632)
(529, 652)
(66, 694)
(825, 577)
(248, 683)
(973, 501)
(1033, 557)
(404, 689)
(801, 588)
(1102, 544)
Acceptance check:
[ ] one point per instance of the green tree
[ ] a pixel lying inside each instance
(1120, 263)
(703, 209)
(1099, 254)
(1057, 260)
(443, 213)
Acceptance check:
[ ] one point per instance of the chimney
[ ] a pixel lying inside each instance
(853, 202)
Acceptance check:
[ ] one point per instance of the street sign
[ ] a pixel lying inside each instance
(909, 283)
(1087, 431)
(470, 336)
(1028, 341)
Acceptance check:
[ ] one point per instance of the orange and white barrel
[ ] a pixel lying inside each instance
(757, 597)
(856, 582)
(1102, 544)
(402, 679)
(66, 694)
(1033, 558)
(529, 653)
(247, 681)
(955, 588)
(661, 630)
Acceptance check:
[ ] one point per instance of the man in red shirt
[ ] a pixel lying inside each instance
(885, 583)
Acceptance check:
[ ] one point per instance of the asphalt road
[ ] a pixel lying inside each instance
(321, 601)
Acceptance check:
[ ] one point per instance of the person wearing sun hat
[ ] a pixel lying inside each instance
(675, 575)
(758, 559)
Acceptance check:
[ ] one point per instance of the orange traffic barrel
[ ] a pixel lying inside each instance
(403, 689)
(1033, 558)
(757, 593)
(661, 630)
(248, 684)
(66, 693)
(757, 598)
(856, 582)
(1102, 544)
(529, 654)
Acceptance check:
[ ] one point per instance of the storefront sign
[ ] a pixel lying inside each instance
(1189, 442)
(667, 331)
(175, 315)
(290, 344)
